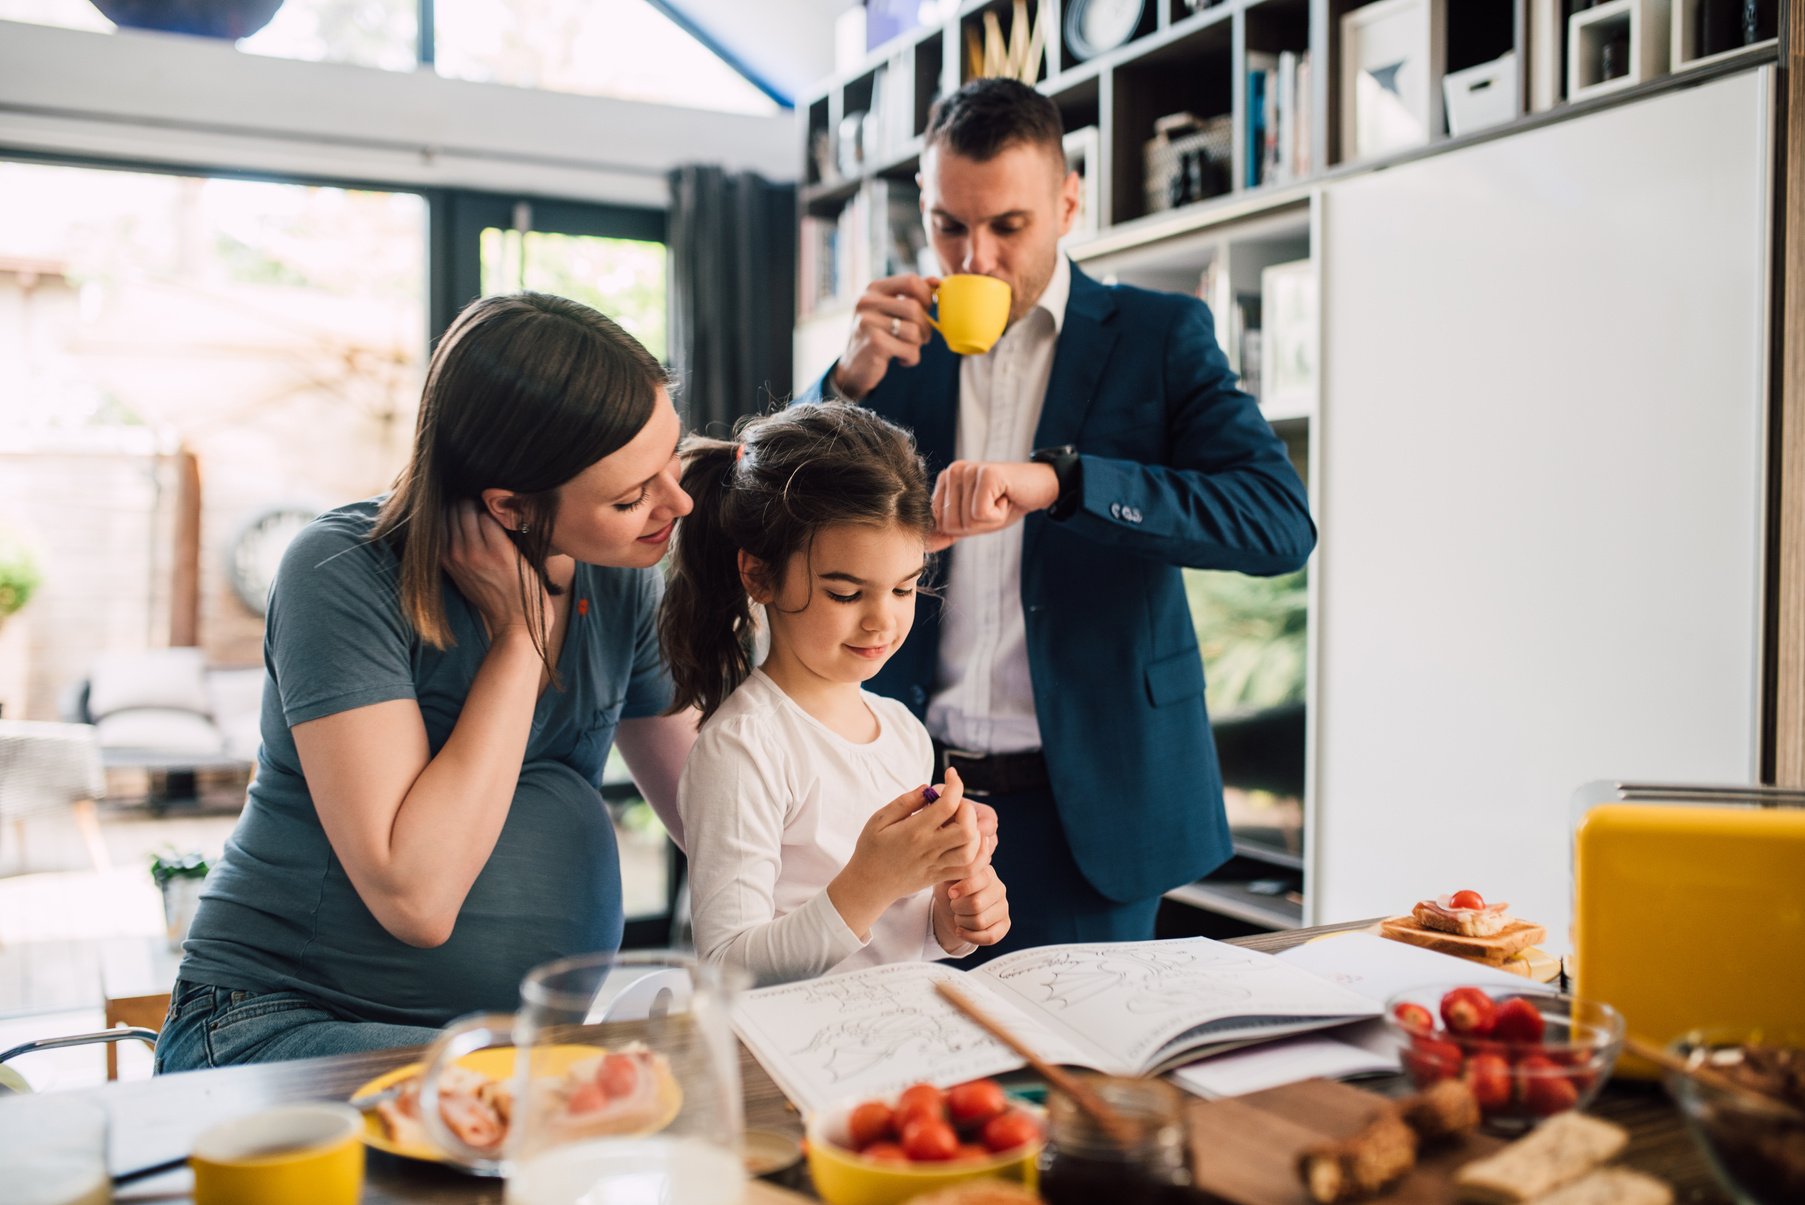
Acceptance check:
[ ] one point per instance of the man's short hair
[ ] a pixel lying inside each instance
(987, 116)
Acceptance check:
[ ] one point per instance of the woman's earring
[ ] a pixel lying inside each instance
(523, 529)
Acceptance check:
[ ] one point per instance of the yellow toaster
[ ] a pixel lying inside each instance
(1689, 907)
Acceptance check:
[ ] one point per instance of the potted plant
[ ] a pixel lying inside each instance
(178, 876)
(19, 577)
(229, 19)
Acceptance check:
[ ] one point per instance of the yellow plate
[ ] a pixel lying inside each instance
(496, 1062)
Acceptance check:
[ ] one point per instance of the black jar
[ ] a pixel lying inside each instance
(1082, 1163)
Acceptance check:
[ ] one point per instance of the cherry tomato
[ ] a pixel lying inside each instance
(1430, 1060)
(618, 1075)
(1518, 1021)
(1468, 1011)
(869, 1123)
(1414, 1018)
(1545, 1087)
(1488, 1075)
(1466, 899)
(1009, 1131)
(885, 1152)
(930, 1141)
(975, 1103)
(921, 1096)
(972, 1150)
(913, 1112)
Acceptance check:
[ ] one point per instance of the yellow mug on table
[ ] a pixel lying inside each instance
(309, 1154)
(973, 312)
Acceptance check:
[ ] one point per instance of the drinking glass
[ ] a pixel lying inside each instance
(626, 1087)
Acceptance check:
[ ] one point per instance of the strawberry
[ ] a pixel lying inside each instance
(1414, 1018)
(1468, 1011)
(1488, 1075)
(1518, 1021)
(1545, 1086)
(1430, 1059)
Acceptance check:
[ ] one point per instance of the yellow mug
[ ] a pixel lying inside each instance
(310, 1154)
(973, 312)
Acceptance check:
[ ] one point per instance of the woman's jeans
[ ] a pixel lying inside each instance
(217, 1027)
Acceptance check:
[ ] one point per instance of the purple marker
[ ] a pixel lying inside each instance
(929, 794)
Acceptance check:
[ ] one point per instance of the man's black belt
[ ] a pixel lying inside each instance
(994, 773)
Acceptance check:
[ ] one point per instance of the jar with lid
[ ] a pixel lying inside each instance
(1083, 1163)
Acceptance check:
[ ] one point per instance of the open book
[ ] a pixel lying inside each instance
(1124, 1008)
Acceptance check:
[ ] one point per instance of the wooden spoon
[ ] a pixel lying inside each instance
(1119, 1128)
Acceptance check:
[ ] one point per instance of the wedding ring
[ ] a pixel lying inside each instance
(895, 326)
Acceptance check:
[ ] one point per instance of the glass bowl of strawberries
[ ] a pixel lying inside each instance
(881, 1152)
(1526, 1055)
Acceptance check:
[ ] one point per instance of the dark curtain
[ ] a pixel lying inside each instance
(733, 293)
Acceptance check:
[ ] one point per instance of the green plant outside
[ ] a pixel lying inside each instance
(1252, 632)
(19, 577)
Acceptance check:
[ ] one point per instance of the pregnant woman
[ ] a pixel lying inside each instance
(447, 667)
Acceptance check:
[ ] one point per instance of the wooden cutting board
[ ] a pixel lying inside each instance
(1244, 1150)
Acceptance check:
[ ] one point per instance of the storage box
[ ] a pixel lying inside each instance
(1486, 95)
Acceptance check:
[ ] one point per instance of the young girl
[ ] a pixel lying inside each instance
(821, 514)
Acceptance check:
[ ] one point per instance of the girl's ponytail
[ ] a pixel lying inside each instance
(705, 625)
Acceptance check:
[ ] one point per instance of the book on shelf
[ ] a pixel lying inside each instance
(1125, 1008)
(1278, 117)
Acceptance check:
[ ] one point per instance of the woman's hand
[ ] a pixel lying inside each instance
(973, 909)
(907, 845)
(488, 570)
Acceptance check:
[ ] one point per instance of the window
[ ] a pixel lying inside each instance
(620, 48)
(623, 278)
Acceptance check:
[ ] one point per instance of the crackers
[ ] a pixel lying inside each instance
(1558, 1152)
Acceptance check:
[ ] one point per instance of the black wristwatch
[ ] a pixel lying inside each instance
(1069, 470)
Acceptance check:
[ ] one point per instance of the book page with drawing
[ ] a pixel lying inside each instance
(1122, 1008)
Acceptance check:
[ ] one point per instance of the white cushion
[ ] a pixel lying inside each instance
(162, 729)
(237, 697)
(172, 678)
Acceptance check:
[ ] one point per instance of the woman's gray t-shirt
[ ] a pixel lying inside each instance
(279, 913)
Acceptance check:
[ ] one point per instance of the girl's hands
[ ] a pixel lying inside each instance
(487, 569)
(906, 845)
(974, 909)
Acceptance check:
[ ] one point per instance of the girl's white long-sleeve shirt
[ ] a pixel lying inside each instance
(773, 802)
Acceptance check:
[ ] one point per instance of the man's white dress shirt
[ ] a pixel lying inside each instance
(985, 702)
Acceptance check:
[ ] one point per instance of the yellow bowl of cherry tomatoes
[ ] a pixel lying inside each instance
(1527, 1056)
(881, 1152)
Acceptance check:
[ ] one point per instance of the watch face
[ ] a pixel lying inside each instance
(1094, 26)
(252, 558)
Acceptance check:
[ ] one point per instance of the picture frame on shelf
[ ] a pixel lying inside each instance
(1288, 340)
(1391, 67)
(1082, 147)
(1617, 45)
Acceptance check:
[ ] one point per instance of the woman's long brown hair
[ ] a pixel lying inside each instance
(768, 491)
(524, 392)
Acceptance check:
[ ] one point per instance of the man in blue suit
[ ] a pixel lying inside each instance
(1096, 449)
